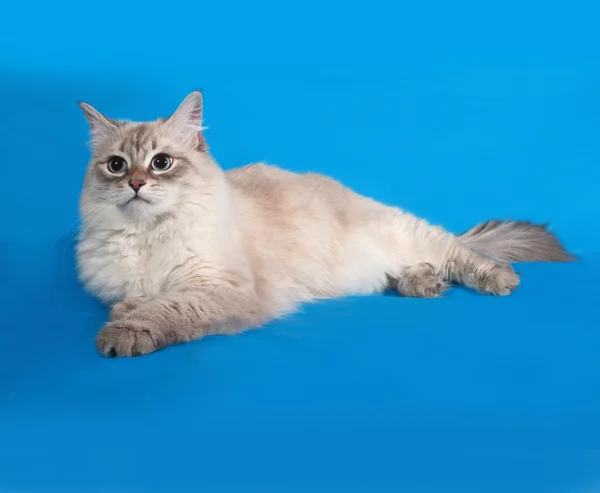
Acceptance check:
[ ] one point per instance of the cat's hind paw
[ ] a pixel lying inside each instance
(500, 280)
(421, 281)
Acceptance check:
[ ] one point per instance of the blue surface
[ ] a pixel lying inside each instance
(459, 111)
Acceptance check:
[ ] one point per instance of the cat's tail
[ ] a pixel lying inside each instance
(516, 241)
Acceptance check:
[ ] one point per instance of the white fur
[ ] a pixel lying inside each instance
(319, 240)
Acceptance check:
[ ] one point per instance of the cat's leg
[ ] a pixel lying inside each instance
(180, 316)
(480, 273)
(125, 307)
(421, 281)
(420, 243)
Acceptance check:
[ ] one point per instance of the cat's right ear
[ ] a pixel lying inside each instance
(100, 126)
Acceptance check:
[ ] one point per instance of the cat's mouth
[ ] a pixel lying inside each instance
(137, 199)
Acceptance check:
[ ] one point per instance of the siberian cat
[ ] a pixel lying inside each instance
(181, 249)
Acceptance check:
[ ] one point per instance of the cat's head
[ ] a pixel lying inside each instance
(144, 170)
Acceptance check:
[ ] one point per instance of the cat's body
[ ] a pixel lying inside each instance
(294, 237)
(200, 251)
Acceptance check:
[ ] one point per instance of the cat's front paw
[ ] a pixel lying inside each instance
(128, 338)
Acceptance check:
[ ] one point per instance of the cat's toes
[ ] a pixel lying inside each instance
(122, 339)
(421, 281)
(500, 280)
(431, 286)
(124, 308)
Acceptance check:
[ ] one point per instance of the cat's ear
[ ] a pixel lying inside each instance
(189, 113)
(100, 126)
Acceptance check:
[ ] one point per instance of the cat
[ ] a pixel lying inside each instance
(181, 249)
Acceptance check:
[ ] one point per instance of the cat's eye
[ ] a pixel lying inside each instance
(161, 162)
(117, 165)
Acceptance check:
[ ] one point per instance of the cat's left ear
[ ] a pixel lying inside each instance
(189, 113)
(188, 118)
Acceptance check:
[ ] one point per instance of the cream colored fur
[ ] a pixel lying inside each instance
(211, 252)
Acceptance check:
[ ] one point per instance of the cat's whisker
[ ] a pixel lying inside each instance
(94, 220)
(193, 203)
(107, 205)
(82, 218)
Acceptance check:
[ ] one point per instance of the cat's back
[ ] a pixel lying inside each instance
(273, 186)
(254, 178)
(277, 190)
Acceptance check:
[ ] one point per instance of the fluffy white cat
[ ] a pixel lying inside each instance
(181, 249)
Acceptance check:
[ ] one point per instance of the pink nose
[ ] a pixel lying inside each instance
(136, 184)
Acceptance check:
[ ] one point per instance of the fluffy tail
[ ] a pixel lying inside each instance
(515, 241)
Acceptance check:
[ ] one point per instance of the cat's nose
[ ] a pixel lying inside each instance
(136, 184)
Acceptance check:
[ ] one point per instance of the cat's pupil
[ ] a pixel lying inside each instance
(116, 165)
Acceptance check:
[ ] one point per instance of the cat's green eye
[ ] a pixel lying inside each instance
(117, 165)
(161, 162)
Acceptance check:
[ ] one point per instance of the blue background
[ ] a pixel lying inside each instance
(458, 111)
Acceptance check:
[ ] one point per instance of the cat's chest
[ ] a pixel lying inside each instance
(118, 266)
